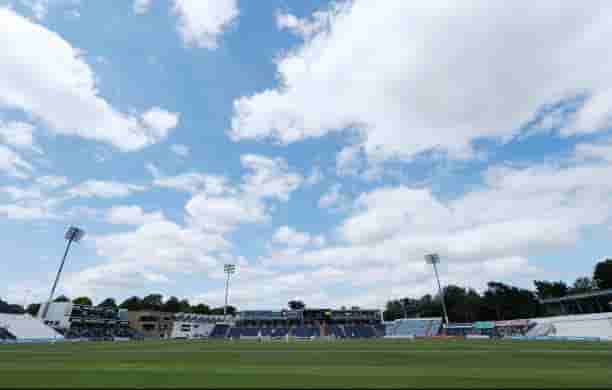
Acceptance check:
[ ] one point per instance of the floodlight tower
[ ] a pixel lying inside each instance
(74, 234)
(434, 260)
(229, 269)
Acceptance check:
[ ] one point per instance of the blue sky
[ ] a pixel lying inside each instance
(322, 147)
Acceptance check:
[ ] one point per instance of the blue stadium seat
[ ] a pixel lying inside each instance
(219, 331)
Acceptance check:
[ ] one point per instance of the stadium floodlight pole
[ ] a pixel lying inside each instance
(73, 234)
(229, 269)
(26, 298)
(434, 259)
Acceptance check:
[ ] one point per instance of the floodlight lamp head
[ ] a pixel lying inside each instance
(74, 234)
(229, 268)
(432, 258)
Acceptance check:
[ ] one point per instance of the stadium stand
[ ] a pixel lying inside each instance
(5, 335)
(25, 328)
(90, 322)
(220, 331)
(279, 332)
(305, 332)
(588, 326)
(459, 329)
(193, 326)
(336, 331)
(540, 330)
(414, 327)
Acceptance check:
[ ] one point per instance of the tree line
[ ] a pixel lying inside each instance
(499, 301)
(153, 302)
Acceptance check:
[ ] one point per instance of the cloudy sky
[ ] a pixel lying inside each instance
(323, 147)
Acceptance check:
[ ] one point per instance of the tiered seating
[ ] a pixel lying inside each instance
(434, 328)
(6, 335)
(279, 332)
(220, 331)
(359, 331)
(379, 329)
(419, 327)
(367, 332)
(24, 327)
(234, 333)
(587, 325)
(335, 330)
(541, 330)
(306, 332)
(238, 332)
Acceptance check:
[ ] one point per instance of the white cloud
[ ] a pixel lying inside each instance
(13, 165)
(602, 150)
(43, 75)
(35, 201)
(19, 135)
(25, 213)
(180, 150)
(202, 22)
(303, 27)
(18, 193)
(334, 199)
(52, 182)
(292, 238)
(104, 189)
(223, 214)
(141, 6)
(315, 177)
(194, 182)
(413, 78)
(269, 178)
(39, 7)
(159, 122)
(147, 255)
(131, 215)
(527, 212)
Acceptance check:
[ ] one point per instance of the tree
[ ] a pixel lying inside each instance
(603, 274)
(201, 309)
(296, 305)
(62, 298)
(231, 310)
(132, 304)
(409, 307)
(109, 303)
(582, 285)
(546, 289)
(84, 301)
(463, 305)
(184, 306)
(7, 308)
(503, 302)
(429, 306)
(172, 305)
(33, 309)
(153, 302)
(393, 311)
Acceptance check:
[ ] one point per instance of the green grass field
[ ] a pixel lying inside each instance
(377, 363)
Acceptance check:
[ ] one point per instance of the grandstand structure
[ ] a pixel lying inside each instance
(584, 326)
(151, 324)
(413, 327)
(25, 328)
(194, 326)
(89, 322)
(599, 301)
(304, 324)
